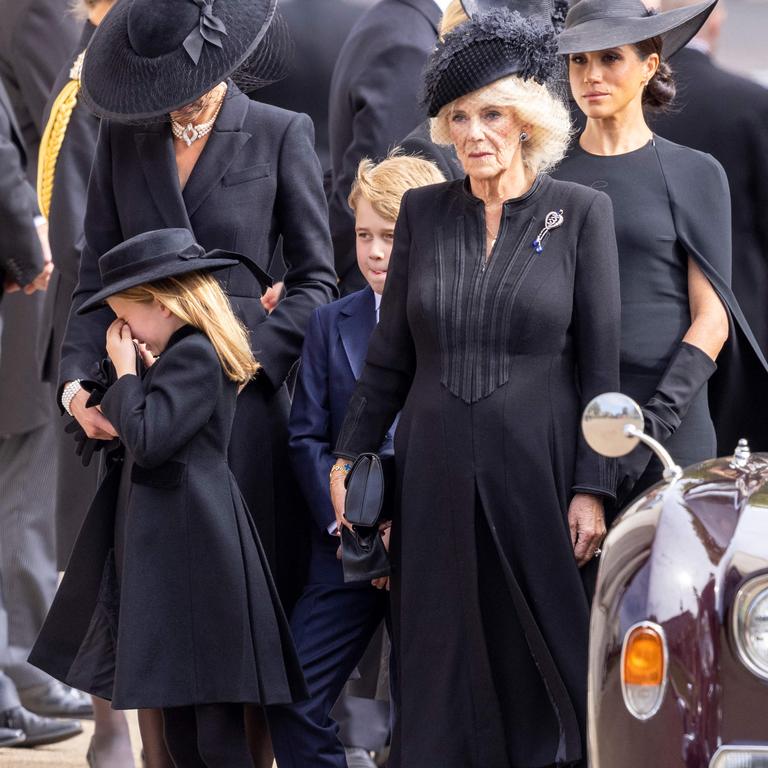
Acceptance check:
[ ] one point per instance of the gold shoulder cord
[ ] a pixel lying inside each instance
(53, 136)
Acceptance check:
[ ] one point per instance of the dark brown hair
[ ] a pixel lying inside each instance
(660, 91)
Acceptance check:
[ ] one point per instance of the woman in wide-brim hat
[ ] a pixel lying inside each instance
(672, 215)
(167, 601)
(181, 146)
(500, 320)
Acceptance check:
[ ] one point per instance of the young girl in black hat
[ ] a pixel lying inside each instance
(167, 601)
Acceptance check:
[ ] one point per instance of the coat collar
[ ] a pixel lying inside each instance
(357, 319)
(158, 162)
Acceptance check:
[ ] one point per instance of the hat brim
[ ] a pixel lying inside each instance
(117, 83)
(675, 27)
(172, 269)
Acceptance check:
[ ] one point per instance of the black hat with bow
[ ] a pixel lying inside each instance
(150, 57)
(159, 254)
(491, 45)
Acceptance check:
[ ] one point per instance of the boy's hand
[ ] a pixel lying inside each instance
(120, 348)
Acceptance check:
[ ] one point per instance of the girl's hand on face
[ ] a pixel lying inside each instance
(146, 356)
(120, 348)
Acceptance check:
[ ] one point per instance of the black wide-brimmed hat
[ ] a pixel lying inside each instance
(155, 255)
(151, 57)
(488, 47)
(594, 25)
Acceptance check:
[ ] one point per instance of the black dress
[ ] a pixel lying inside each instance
(491, 364)
(655, 311)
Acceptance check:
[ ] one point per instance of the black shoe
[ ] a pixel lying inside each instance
(38, 730)
(54, 699)
(11, 737)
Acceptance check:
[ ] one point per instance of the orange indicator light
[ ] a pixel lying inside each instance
(644, 657)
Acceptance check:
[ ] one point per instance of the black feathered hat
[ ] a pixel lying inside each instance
(594, 25)
(486, 48)
(151, 57)
(156, 255)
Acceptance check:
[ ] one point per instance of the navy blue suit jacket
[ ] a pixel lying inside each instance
(332, 358)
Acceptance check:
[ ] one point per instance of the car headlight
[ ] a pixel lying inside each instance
(750, 625)
(740, 757)
(644, 669)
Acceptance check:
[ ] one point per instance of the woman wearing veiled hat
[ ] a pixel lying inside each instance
(499, 322)
(181, 146)
(672, 213)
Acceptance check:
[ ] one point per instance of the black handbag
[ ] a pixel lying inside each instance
(368, 503)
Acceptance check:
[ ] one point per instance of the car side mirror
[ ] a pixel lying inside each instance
(613, 426)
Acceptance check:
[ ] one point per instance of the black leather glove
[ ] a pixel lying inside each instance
(688, 371)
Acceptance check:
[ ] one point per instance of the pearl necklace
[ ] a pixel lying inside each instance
(190, 132)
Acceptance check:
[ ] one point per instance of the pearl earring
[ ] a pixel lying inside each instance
(523, 136)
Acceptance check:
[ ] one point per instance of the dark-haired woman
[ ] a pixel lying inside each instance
(671, 209)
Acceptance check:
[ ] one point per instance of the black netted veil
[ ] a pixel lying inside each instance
(488, 47)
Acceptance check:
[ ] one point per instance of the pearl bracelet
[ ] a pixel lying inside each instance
(69, 393)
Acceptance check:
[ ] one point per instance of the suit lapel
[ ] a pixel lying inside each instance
(356, 323)
(158, 162)
(225, 142)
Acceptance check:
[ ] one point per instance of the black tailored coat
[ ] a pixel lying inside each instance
(726, 116)
(36, 38)
(318, 29)
(492, 367)
(194, 616)
(75, 484)
(374, 102)
(257, 179)
(65, 220)
(21, 258)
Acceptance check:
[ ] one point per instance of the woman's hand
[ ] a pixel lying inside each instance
(586, 519)
(338, 497)
(120, 348)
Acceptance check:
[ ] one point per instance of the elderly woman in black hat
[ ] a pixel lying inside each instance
(499, 321)
(181, 146)
(672, 214)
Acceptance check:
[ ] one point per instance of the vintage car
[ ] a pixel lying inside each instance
(678, 658)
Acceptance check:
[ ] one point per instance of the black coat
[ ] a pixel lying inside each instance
(194, 616)
(257, 179)
(419, 142)
(318, 29)
(21, 258)
(374, 103)
(65, 220)
(727, 116)
(36, 38)
(492, 367)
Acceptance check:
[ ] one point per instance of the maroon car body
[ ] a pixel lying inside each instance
(677, 558)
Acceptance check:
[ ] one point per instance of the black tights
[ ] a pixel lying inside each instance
(207, 736)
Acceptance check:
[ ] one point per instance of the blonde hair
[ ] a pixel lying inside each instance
(197, 299)
(547, 118)
(384, 184)
(453, 15)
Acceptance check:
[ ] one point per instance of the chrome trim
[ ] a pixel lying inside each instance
(745, 597)
(744, 749)
(672, 471)
(665, 675)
